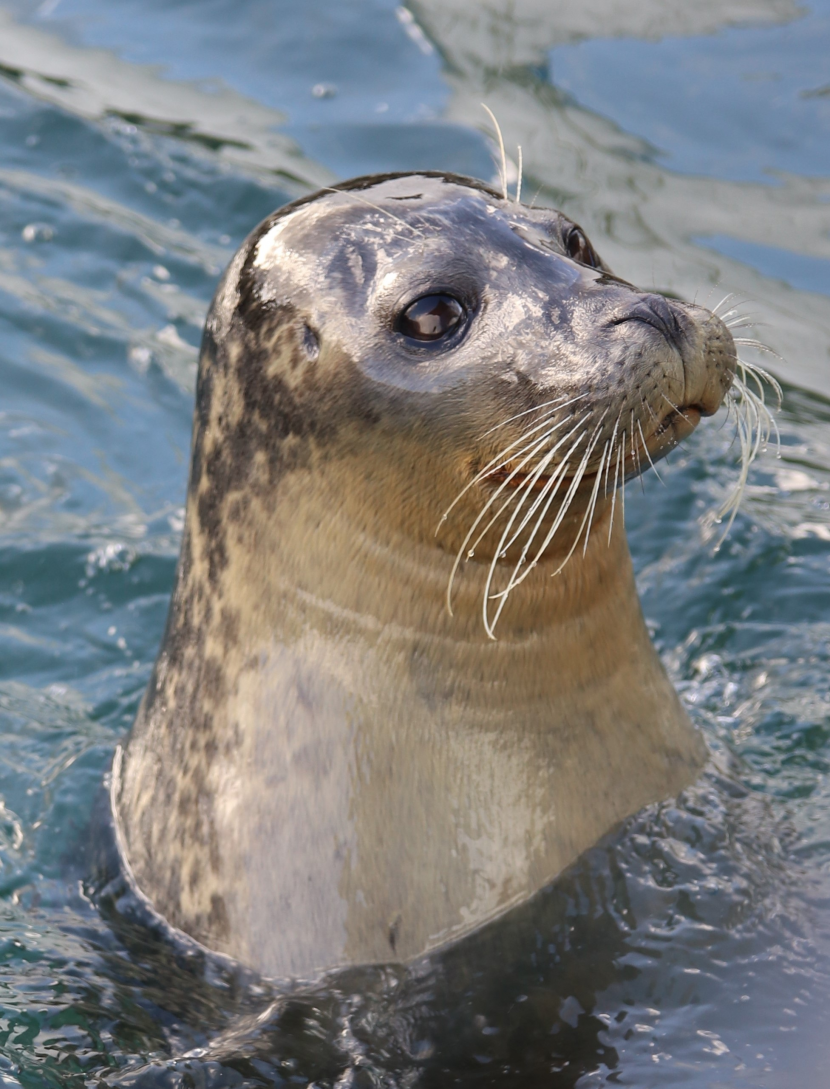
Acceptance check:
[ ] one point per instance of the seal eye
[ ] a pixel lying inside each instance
(580, 249)
(430, 318)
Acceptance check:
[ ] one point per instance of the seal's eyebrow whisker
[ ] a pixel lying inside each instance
(535, 197)
(519, 179)
(385, 211)
(501, 149)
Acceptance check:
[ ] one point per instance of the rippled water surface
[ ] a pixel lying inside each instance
(139, 143)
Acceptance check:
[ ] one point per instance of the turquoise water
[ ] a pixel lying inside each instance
(140, 143)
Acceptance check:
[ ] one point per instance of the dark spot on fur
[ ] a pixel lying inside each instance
(394, 930)
(213, 680)
(218, 921)
(311, 343)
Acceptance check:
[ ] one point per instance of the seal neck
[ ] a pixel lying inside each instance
(341, 557)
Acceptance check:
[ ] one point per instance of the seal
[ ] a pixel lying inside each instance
(405, 678)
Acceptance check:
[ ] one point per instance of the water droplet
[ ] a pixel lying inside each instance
(324, 90)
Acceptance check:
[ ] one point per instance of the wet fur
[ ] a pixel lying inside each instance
(328, 767)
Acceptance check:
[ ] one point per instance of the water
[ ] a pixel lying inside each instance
(140, 142)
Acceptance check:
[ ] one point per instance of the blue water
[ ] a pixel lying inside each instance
(796, 269)
(748, 103)
(140, 143)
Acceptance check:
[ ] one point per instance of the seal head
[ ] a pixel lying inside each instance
(412, 394)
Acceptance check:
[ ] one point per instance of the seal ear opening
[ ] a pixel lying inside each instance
(311, 343)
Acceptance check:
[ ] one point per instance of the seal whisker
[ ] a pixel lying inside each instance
(550, 492)
(764, 376)
(622, 482)
(648, 455)
(759, 376)
(636, 450)
(500, 460)
(744, 427)
(727, 297)
(593, 503)
(750, 342)
(565, 506)
(552, 483)
(765, 419)
(533, 447)
(614, 495)
(650, 410)
(560, 402)
(572, 549)
(551, 486)
(613, 439)
(753, 426)
(501, 149)
(679, 411)
(519, 179)
(524, 490)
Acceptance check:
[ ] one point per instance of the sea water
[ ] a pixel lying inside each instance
(139, 143)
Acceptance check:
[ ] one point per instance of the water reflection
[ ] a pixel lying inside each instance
(124, 190)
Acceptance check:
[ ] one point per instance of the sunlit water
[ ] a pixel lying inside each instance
(140, 142)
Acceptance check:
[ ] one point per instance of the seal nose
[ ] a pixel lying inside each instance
(657, 311)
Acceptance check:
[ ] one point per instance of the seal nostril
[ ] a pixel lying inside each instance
(656, 311)
(666, 315)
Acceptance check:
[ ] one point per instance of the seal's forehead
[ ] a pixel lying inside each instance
(393, 211)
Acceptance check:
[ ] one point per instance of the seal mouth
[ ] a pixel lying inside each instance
(666, 433)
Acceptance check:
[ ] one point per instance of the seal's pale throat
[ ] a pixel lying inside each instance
(405, 678)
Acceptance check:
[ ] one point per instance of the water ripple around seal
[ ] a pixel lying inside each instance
(691, 947)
